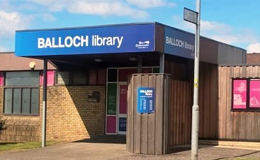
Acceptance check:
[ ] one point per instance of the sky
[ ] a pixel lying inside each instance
(235, 22)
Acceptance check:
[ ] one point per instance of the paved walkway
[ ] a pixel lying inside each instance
(114, 148)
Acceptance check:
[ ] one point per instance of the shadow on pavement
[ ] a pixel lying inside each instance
(239, 156)
(181, 148)
(116, 139)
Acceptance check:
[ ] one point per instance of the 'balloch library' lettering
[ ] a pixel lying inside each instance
(79, 41)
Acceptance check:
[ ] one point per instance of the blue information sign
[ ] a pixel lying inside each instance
(145, 100)
(88, 40)
(122, 124)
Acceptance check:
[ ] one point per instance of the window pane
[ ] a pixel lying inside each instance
(156, 70)
(17, 101)
(8, 101)
(112, 75)
(35, 101)
(79, 78)
(22, 78)
(26, 101)
(62, 78)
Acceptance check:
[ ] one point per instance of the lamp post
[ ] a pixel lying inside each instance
(194, 17)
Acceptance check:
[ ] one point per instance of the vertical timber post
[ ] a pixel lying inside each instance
(139, 65)
(44, 102)
(162, 60)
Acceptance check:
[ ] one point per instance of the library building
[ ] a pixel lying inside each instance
(126, 79)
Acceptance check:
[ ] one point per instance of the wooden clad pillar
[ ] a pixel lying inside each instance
(147, 133)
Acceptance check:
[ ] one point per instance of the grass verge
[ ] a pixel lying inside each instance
(26, 145)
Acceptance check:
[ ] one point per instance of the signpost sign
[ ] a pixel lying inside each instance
(145, 100)
(190, 16)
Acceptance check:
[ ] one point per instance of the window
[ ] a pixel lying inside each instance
(79, 78)
(246, 94)
(71, 78)
(21, 93)
(62, 78)
(91, 77)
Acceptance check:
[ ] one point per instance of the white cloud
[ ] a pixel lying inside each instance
(130, 8)
(10, 21)
(215, 27)
(220, 32)
(106, 9)
(253, 48)
(150, 3)
(48, 17)
(3, 49)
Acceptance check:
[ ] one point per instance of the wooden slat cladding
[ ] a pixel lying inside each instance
(180, 102)
(208, 101)
(236, 125)
(147, 133)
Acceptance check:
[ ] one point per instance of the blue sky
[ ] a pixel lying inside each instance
(235, 22)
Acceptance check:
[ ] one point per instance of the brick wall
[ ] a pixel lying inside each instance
(19, 128)
(69, 116)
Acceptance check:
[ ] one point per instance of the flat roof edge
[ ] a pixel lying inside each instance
(83, 27)
(234, 65)
(7, 52)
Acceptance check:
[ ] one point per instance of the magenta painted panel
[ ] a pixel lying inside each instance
(254, 101)
(92, 79)
(50, 78)
(123, 99)
(111, 124)
(1, 79)
(239, 94)
(147, 70)
(124, 73)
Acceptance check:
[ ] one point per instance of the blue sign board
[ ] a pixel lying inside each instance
(122, 124)
(89, 40)
(179, 43)
(145, 100)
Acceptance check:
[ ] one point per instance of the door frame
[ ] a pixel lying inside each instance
(118, 108)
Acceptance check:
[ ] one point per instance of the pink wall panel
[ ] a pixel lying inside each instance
(92, 79)
(123, 99)
(111, 124)
(239, 94)
(254, 94)
(50, 78)
(1, 79)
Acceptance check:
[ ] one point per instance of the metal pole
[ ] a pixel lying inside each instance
(195, 107)
(44, 102)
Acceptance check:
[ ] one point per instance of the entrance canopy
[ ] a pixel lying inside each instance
(138, 38)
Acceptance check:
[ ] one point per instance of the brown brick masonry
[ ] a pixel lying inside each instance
(69, 116)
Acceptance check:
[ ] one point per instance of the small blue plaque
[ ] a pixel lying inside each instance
(145, 100)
